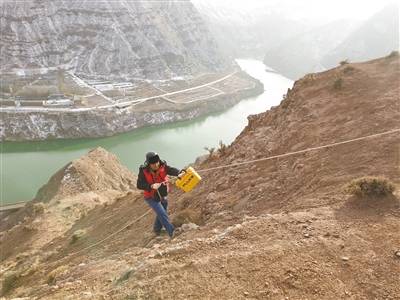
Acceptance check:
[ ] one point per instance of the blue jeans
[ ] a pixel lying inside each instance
(162, 219)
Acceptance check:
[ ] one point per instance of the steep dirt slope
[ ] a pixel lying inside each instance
(276, 229)
(314, 113)
(92, 180)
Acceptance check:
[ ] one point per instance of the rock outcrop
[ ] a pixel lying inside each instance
(94, 180)
(97, 171)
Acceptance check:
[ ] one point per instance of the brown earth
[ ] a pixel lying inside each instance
(276, 229)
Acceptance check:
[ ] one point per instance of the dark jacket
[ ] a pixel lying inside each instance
(142, 183)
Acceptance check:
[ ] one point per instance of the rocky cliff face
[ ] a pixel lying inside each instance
(132, 39)
(98, 123)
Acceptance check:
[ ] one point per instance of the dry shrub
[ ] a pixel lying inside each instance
(9, 282)
(370, 186)
(222, 148)
(210, 151)
(337, 85)
(393, 54)
(38, 208)
(77, 235)
(12, 278)
(344, 62)
(53, 275)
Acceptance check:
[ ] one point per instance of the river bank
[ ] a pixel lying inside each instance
(44, 124)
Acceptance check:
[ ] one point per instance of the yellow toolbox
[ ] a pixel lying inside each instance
(189, 180)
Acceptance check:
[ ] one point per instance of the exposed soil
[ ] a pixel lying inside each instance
(277, 229)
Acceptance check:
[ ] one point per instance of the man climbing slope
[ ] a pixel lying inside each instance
(153, 180)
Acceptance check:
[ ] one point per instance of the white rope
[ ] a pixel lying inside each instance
(243, 163)
(111, 235)
(300, 151)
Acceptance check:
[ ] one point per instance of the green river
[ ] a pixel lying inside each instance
(26, 166)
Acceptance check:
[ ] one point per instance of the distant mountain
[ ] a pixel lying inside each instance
(135, 39)
(302, 54)
(248, 31)
(376, 37)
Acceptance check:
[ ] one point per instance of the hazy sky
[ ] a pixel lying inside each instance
(359, 9)
(305, 9)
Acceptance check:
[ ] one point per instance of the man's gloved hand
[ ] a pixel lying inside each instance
(155, 186)
(181, 174)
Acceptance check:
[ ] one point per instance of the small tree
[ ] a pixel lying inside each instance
(344, 62)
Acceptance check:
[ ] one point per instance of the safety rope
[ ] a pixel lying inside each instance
(298, 152)
(111, 235)
(239, 164)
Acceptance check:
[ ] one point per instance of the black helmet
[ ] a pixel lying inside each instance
(152, 157)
